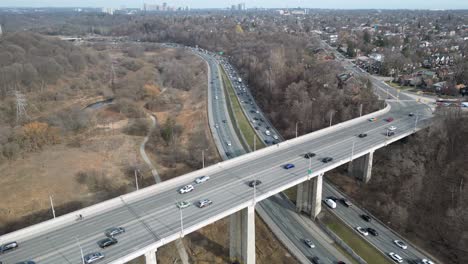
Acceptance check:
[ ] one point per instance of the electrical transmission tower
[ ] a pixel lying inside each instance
(21, 104)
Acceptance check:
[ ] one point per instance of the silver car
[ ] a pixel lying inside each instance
(114, 231)
(93, 257)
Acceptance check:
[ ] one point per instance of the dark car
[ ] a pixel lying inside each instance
(366, 218)
(267, 141)
(224, 121)
(107, 242)
(252, 111)
(261, 119)
(390, 119)
(411, 114)
(256, 128)
(327, 159)
(362, 135)
(255, 118)
(267, 127)
(228, 154)
(316, 260)
(255, 183)
(8, 246)
(309, 155)
(345, 202)
(24, 262)
(390, 133)
(372, 231)
(288, 166)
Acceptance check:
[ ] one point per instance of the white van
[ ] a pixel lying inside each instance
(267, 132)
(330, 203)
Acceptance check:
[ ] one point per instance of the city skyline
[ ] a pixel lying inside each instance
(332, 4)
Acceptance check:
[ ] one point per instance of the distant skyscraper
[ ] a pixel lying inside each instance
(164, 6)
(233, 7)
(1, 32)
(239, 7)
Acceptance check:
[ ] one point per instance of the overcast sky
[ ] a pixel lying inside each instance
(342, 4)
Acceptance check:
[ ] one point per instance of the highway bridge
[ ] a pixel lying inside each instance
(152, 219)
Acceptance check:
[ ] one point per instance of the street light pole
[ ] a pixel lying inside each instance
(203, 158)
(360, 110)
(296, 129)
(136, 180)
(181, 221)
(52, 205)
(352, 150)
(331, 118)
(81, 250)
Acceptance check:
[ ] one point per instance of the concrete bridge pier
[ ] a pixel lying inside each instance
(242, 236)
(150, 257)
(361, 168)
(309, 196)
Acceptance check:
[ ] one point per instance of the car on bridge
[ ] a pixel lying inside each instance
(362, 231)
(425, 261)
(330, 203)
(8, 246)
(395, 257)
(202, 179)
(309, 155)
(411, 114)
(186, 189)
(288, 166)
(373, 119)
(24, 262)
(183, 204)
(316, 260)
(390, 119)
(107, 242)
(204, 203)
(114, 231)
(93, 257)
(362, 135)
(255, 183)
(392, 128)
(327, 159)
(400, 244)
(346, 202)
(309, 243)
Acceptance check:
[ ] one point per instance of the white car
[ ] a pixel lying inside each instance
(267, 132)
(93, 257)
(275, 136)
(362, 231)
(186, 189)
(309, 243)
(204, 203)
(216, 125)
(400, 244)
(426, 261)
(183, 204)
(228, 143)
(392, 128)
(202, 179)
(395, 257)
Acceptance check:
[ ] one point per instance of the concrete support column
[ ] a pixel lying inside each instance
(242, 236)
(361, 168)
(150, 257)
(309, 196)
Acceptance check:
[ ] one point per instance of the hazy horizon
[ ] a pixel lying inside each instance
(330, 4)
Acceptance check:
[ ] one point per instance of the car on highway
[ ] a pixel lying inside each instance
(288, 166)
(392, 128)
(400, 244)
(373, 119)
(390, 133)
(251, 111)
(267, 141)
(411, 114)
(255, 183)
(390, 119)
(107, 242)
(186, 189)
(93, 257)
(183, 204)
(309, 243)
(8, 246)
(366, 218)
(362, 135)
(114, 231)
(327, 159)
(204, 203)
(275, 137)
(362, 231)
(346, 202)
(229, 143)
(202, 179)
(309, 155)
(316, 260)
(257, 128)
(24, 262)
(395, 257)
(330, 203)
(372, 231)
(425, 261)
(267, 132)
(216, 125)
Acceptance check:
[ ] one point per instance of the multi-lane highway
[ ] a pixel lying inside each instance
(278, 208)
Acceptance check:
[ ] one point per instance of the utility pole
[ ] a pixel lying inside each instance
(52, 205)
(352, 150)
(136, 179)
(360, 110)
(21, 104)
(331, 118)
(296, 129)
(203, 157)
(81, 250)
